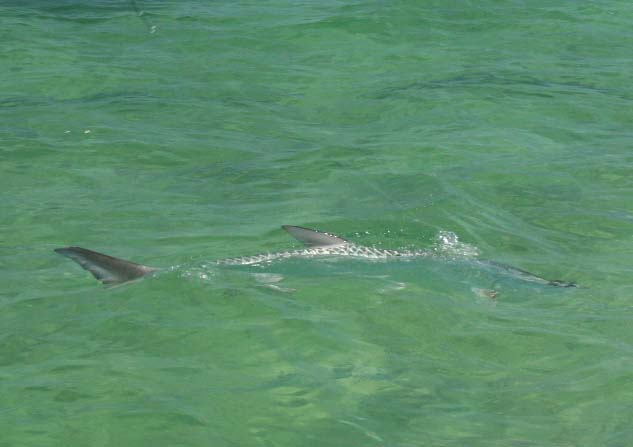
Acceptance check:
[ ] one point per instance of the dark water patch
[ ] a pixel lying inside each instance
(511, 84)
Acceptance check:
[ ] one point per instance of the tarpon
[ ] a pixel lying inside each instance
(110, 270)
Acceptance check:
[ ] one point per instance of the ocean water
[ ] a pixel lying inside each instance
(192, 132)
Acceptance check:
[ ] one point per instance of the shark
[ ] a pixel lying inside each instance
(113, 271)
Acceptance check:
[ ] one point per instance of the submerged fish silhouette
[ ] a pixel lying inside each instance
(110, 270)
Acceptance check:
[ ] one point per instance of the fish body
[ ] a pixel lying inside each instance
(110, 270)
(345, 250)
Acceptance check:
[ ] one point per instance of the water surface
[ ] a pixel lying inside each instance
(392, 124)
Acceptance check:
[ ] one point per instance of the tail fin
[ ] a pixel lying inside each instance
(105, 268)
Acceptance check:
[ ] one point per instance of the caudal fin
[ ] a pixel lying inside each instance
(105, 268)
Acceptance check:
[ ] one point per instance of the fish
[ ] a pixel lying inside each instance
(113, 271)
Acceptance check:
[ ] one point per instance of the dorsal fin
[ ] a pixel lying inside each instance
(313, 238)
(105, 268)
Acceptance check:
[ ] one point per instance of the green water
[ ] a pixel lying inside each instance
(393, 124)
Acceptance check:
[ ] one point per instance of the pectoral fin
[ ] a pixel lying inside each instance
(525, 275)
(105, 268)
